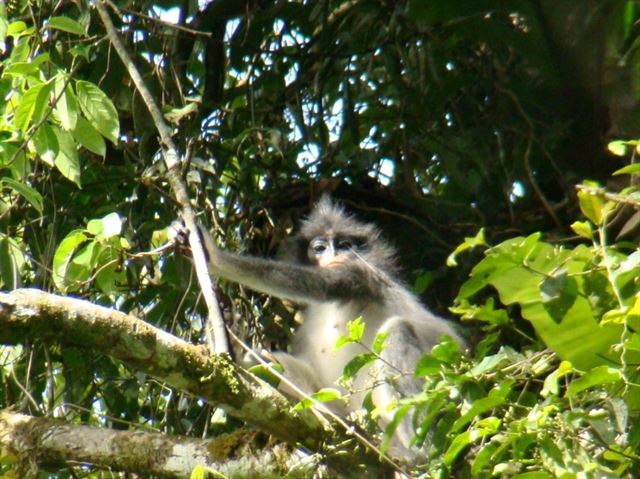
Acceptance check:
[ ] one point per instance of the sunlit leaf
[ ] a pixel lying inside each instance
(599, 376)
(427, 365)
(64, 255)
(67, 161)
(583, 228)
(31, 195)
(628, 170)
(618, 148)
(9, 274)
(32, 106)
(484, 427)
(45, 143)
(378, 342)
(357, 363)
(89, 137)
(355, 331)
(66, 24)
(67, 105)
(98, 109)
(468, 243)
(591, 206)
(323, 396)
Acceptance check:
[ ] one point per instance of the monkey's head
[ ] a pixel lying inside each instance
(330, 237)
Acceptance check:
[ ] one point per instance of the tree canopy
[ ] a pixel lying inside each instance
(493, 142)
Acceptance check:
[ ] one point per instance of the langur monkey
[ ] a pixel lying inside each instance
(341, 269)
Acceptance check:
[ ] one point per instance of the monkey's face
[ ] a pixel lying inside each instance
(328, 252)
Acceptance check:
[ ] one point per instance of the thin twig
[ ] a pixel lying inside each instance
(159, 21)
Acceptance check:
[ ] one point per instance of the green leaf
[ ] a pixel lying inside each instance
(518, 267)
(496, 397)
(486, 312)
(378, 342)
(427, 365)
(390, 428)
(265, 373)
(67, 161)
(423, 282)
(558, 292)
(533, 475)
(355, 331)
(9, 274)
(468, 243)
(175, 115)
(32, 106)
(447, 350)
(591, 206)
(598, 376)
(493, 362)
(45, 144)
(110, 275)
(357, 363)
(551, 381)
(99, 110)
(89, 137)
(64, 255)
(628, 170)
(95, 227)
(26, 191)
(583, 228)
(67, 104)
(324, 395)
(485, 427)
(17, 28)
(66, 24)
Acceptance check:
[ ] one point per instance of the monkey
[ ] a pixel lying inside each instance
(339, 269)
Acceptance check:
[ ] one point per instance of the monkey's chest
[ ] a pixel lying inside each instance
(323, 324)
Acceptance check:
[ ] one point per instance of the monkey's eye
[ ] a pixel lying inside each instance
(319, 245)
(345, 244)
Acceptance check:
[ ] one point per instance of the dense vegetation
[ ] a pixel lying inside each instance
(494, 142)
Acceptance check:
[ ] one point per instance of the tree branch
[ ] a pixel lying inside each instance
(33, 314)
(215, 330)
(53, 443)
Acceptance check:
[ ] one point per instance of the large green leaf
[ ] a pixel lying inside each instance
(32, 106)
(67, 105)
(67, 160)
(553, 293)
(89, 137)
(30, 194)
(64, 255)
(66, 24)
(98, 109)
(45, 143)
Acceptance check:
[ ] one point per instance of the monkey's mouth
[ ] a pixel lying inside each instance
(332, 263)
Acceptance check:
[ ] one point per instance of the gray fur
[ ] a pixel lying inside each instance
(362, 284)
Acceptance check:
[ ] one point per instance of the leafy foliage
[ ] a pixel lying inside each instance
(440, 120)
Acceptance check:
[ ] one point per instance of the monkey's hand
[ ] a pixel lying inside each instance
(178, 233)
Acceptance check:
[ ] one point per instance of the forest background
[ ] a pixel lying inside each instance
(493, 141)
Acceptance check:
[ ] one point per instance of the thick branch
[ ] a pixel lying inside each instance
(216, 334)
(53, 443)
(33, 314)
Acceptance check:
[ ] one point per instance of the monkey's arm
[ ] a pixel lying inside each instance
(299, 283)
